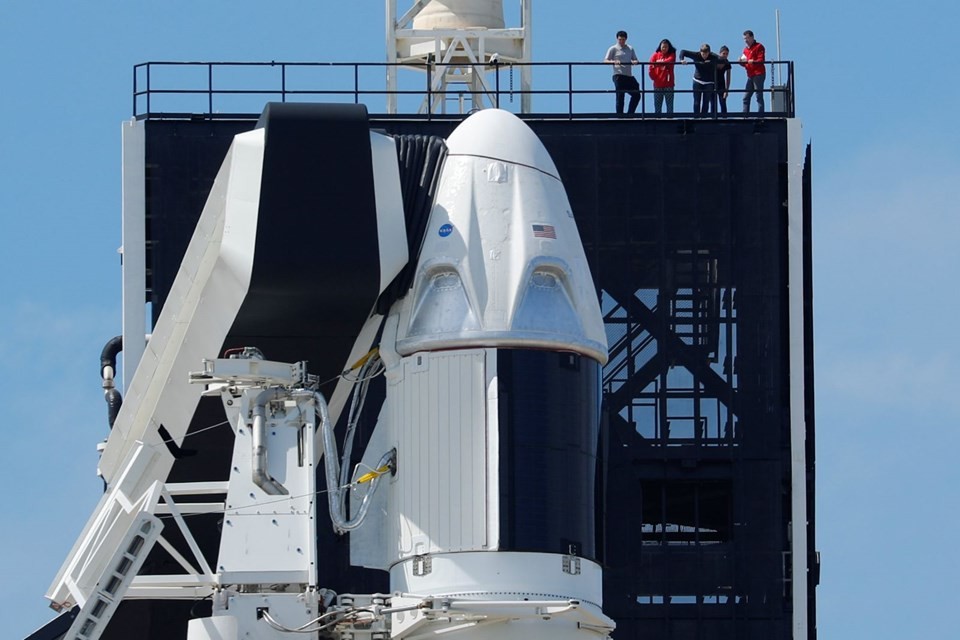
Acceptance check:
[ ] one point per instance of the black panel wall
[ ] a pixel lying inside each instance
(684, 225)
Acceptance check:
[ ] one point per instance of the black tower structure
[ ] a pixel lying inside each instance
(698, 237)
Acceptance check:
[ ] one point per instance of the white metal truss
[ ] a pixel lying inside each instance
(457, 57)
(103, 566)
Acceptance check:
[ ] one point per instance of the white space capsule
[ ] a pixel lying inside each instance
(502, 263)
(493, 362)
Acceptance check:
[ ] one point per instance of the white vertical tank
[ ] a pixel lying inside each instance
(461, 14)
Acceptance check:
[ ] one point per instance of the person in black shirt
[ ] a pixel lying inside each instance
(704, 79)
(723, 78)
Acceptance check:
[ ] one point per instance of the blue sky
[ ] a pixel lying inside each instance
(875, 94)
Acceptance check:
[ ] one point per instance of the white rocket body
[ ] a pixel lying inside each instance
(501, 276)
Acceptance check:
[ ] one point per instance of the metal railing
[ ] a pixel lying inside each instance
(570, 90)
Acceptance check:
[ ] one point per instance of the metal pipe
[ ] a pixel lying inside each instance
(259, 473)
(108, 356)
(356, 407)
(336, 498)
(108, 369)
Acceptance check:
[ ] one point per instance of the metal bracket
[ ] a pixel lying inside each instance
(571, 565)
(422, 565)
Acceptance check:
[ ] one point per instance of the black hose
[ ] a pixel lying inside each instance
(114, 402)
(108, 358)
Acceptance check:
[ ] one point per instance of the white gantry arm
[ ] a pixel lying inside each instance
(102, 568)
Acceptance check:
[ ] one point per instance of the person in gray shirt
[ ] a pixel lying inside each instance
(623, 57)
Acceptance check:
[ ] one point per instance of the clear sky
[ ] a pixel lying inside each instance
(877, 96)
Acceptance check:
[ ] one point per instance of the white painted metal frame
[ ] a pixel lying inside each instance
(133, 247)
(271, 539)
(114, 516)
(798, 425)
(267, 539)
(122, 512)
(210, 287)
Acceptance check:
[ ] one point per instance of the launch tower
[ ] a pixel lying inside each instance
(699, 470)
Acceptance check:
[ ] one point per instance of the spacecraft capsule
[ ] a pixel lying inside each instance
(492, 403)
(502, 264)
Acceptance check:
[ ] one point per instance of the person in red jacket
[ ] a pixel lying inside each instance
(753, 58)
(661, 72)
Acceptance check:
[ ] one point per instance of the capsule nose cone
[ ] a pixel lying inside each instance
(498, 134)
(503, 266)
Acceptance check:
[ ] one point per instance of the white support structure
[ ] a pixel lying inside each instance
(133, 248)
(268, 559)
(102, 567)
(267, 539)
(463, 54)
(798, 424)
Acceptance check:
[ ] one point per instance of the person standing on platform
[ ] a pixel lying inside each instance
(623, 57)
(724, 71)
(753, 58)
(704, 79)
(661, 72)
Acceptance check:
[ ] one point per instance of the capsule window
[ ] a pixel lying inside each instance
(442, 305)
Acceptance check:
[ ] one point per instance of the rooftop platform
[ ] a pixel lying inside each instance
(565, 90)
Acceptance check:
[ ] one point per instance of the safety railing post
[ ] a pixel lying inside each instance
(283, 82)
(793, 93)
(148, 89)
(643, 90)
(429, 89)
(135, 91)
(569, 91)
(210, 88)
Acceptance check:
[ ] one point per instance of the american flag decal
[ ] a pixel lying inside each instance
(544, 231)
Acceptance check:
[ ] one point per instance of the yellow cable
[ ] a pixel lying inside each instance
(359, 363)
(376, 473)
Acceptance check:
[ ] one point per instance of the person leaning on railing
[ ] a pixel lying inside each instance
(661, 72)
(623, 57)
(704, 79)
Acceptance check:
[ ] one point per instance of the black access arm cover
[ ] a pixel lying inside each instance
(316, 268)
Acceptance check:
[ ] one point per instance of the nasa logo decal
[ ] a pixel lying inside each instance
(446, 230)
